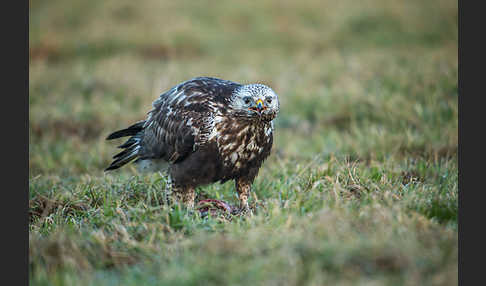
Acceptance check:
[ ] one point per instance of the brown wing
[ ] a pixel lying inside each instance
(182, 119)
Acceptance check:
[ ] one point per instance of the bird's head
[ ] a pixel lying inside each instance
(255, 101)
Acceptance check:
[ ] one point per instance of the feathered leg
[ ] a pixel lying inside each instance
(243, 188)
(175, 193)
(184, 195)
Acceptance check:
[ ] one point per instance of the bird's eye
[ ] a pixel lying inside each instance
(247, 100)
(269, 100)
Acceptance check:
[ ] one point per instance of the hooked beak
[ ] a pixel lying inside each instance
(259, 106)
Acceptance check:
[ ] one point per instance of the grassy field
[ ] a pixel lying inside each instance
(360, 189)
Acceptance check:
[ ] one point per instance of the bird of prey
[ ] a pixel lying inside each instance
(204, 130)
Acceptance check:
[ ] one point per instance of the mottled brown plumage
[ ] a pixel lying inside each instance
(206, 130)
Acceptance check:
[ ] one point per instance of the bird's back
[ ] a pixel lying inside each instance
(180, 122)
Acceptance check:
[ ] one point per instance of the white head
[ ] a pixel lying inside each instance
(255, 101)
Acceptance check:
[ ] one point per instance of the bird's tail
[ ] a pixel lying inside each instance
(131, 146)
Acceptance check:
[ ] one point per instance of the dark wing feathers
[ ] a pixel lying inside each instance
(130, 131)
(130, 146)
(124, 157)
(181, 119)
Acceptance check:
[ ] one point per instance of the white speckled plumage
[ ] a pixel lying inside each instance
(202, 131)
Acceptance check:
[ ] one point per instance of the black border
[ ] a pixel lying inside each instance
(15, 143)
(471, 166)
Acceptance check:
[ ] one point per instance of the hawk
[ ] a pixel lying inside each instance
(204, 130)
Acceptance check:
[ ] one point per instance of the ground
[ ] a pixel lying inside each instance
(360, 189)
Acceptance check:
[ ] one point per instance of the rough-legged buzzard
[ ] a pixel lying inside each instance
(205, 130)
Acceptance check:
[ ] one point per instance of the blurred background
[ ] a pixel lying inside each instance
(360, 188)
(362, 78)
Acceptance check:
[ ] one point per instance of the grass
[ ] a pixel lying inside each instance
(360, 189)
